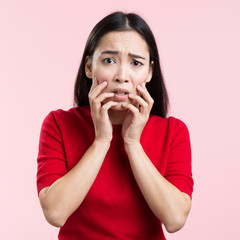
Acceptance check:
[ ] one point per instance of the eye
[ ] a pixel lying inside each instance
(108, 61)
(136, 63)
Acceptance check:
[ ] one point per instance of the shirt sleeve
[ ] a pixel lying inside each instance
(51, 162)
(179, 166)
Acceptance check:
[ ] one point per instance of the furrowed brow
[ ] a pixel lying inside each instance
(109, 52)
(117, 52)
(136, 56)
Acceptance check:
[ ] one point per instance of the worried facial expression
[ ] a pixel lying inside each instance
(122, 60)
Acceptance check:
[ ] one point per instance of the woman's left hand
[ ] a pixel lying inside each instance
(137, 116)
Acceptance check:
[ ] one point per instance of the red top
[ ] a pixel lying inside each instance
(114, 207)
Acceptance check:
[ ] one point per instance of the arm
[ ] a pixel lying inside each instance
(169, 204)
(65, 195)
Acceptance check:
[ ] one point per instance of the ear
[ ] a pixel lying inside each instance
(150, 73)
(88, 67)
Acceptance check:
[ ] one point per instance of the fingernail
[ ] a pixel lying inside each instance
(103, 83)
(139, 87)
(130, 95)
(143, 84)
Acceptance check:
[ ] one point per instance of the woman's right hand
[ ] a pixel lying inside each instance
(99, 111)
(65, 195)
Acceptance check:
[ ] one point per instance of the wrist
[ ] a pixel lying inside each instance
(132, 146)
(101, 144)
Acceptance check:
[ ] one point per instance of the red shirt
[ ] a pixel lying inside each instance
(114, 207)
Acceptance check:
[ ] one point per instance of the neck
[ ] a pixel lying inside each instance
(117, 116)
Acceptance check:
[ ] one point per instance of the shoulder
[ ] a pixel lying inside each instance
(72, 113)
(75, 111)
(169, 127)
(170, 122)
(67, 117)
(177, 125)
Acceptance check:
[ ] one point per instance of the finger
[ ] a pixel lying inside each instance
(142, 104)
(103, 96)
(146, 95)
(94, 84)
(133, 109)
(96, 103)
(97, 90)
(94, 107)
(107, 106)
(97, 86)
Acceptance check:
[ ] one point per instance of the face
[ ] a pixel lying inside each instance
(122, 60)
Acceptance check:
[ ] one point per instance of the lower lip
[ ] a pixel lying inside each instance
(120, 97)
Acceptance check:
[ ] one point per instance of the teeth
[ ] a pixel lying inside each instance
(120, 93)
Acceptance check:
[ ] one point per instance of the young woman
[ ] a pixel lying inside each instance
(115, 167)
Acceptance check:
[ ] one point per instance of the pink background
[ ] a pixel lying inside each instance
(199, 42)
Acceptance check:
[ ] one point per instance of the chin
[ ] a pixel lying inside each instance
(118, 107)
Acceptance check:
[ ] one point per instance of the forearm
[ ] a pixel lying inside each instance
(64, 196)
(169, 204)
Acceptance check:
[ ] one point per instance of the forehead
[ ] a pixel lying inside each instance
(123, 41)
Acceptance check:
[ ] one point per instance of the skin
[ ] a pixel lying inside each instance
(120, 61)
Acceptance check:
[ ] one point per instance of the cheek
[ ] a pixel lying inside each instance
(139, 78)
(101, 74)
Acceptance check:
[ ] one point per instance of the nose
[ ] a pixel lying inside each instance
(122, 74)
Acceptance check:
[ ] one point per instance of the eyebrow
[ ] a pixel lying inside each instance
(117, 52)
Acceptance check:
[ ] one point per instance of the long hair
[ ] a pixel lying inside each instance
(119, 21)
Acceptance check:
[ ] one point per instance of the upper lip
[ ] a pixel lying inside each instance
(120, 90)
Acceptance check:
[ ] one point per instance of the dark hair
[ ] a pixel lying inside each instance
(119, 21)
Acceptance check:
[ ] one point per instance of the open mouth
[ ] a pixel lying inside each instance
(120, 93)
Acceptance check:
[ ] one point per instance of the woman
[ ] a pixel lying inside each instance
(115, 167)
